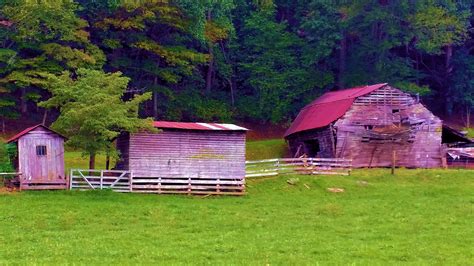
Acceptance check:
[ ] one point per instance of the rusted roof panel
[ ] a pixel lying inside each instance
(197, 126)
(328, 108)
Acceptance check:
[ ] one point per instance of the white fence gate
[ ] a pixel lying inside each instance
(87, 179)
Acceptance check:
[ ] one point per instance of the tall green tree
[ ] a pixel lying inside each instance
(92, 111)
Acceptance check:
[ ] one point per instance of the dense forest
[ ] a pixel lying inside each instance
(234, 60)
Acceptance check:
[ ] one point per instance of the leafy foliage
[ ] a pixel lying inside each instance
(257, 60)
(92, 110)
(7, 152)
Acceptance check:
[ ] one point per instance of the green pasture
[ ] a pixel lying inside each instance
(418, 217)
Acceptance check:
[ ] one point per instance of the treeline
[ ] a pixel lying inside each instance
(252, 60)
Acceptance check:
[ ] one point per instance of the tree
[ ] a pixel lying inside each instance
(42, 37)
(275, 79)
(463, 81)
(92, 112)
(149, 41)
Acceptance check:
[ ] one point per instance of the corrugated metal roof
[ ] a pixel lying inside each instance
(328, 108)
(25, 131)
(198, 126)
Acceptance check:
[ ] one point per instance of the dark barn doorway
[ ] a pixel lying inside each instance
(311, 148)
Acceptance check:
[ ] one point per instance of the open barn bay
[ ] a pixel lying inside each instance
(416, 216)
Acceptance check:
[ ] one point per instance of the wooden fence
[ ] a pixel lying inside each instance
(189, 185)
(305, 166)
(125, 181)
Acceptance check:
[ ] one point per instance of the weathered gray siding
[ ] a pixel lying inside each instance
(186, 153)
(388, 120)
(41, 168)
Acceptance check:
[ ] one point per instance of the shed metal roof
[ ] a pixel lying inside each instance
(198, 126)
(328, 108)
(25, 131)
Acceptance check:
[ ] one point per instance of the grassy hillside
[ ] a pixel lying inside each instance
(266, 149)
(417, 217)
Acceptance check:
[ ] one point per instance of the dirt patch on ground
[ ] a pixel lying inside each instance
(7, 191)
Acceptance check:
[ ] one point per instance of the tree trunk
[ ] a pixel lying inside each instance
(92, 160)
(23, 106)
(232, 99)
(155, 99)
(468, 116)
(107, 161)
(342, 61)
(448, 71)
(210, 68)
(45, 116)
(3, 125)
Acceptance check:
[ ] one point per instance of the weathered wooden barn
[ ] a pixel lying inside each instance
(185, 157)
(372, 125)
(40, 158)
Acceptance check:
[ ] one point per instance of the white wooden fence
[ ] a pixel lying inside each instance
(307, 166)
(125, 181)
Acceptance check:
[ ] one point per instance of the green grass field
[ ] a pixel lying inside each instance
(417, 216)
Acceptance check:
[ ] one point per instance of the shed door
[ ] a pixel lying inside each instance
(39, 162)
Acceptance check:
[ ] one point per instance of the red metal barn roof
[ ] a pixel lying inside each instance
(328, 108)
(25, 131)
(197, 126)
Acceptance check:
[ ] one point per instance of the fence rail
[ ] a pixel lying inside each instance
(308, 166)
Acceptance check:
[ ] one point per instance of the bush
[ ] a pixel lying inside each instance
(7, 151)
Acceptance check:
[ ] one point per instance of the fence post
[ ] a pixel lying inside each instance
(101, 178)
(70, 179)
(159, 185)
(189, 185)
(278, 166)
(130, 181)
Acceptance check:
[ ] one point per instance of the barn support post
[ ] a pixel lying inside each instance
(394, 158)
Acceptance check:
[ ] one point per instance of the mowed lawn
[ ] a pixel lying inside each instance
(418, 217)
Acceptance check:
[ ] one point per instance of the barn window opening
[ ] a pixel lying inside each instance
(41, 150)
(394, 111)
(369, 127)
(312, 147)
